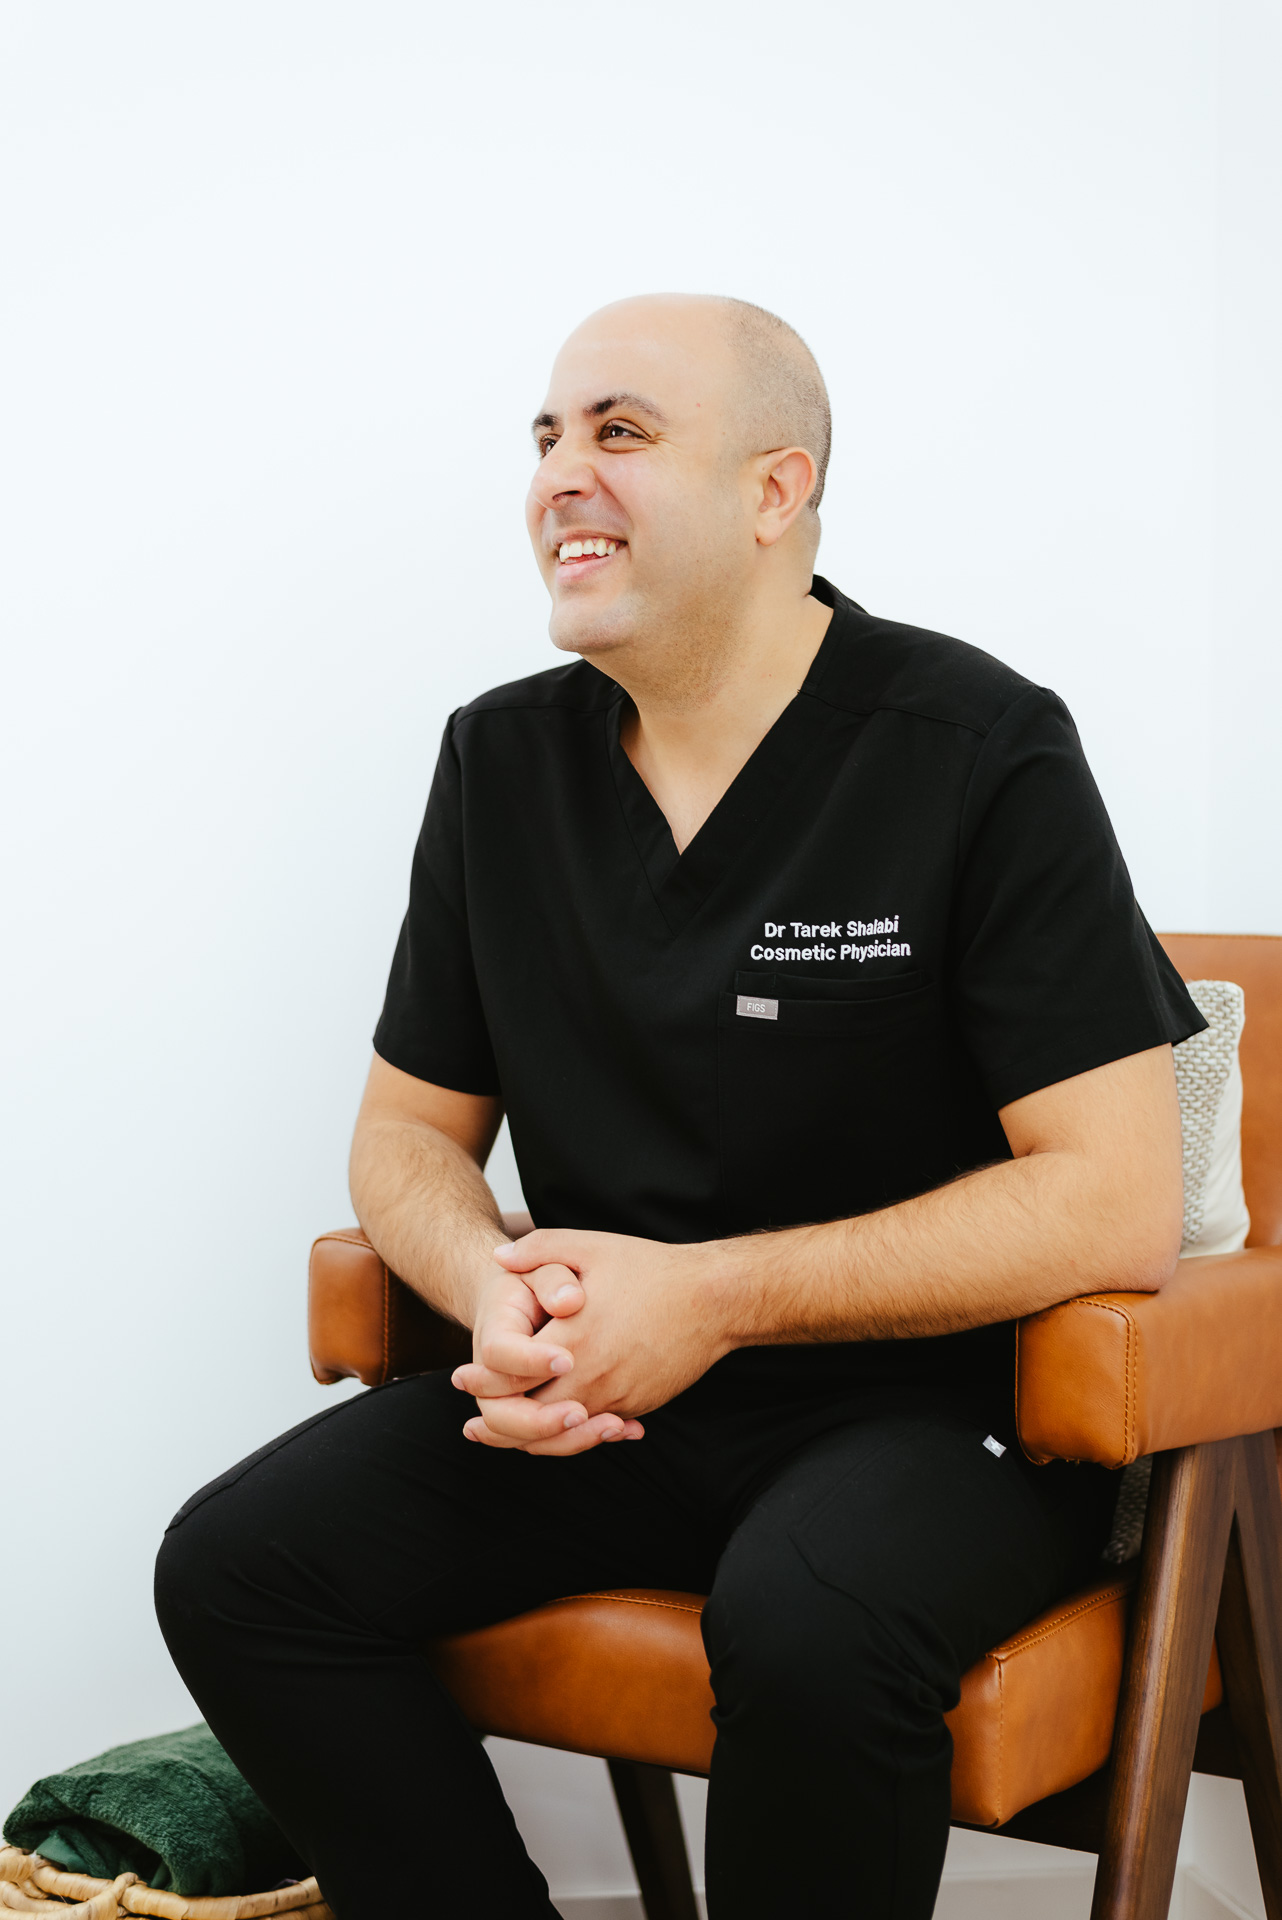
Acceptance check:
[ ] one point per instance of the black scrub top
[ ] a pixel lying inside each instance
(908, 910)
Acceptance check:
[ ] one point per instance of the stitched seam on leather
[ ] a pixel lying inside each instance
(350, 1236)
(1019, 1328)
(1001, 1740)
(1105, 1599)
(387, 1322)
(1105, 1306)
(631, 1600)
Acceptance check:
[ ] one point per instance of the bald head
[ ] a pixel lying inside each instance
(783, 401)
(776, 393)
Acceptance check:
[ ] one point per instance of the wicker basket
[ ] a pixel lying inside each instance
(29, 1884)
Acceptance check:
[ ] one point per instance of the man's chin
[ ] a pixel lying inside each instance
(590, 630)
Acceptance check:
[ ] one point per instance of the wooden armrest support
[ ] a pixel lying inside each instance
(365, 1324)
(1115, 1375)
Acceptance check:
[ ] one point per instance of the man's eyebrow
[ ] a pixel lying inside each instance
(636, 401)
(608, 402)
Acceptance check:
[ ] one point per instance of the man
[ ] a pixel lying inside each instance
(799, 952)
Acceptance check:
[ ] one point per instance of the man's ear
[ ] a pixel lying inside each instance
(787, 480)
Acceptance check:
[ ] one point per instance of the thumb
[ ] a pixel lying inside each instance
(518, 1256)
(536, 1249)
(557, 1290)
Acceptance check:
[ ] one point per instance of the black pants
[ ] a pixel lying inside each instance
(861, 1550)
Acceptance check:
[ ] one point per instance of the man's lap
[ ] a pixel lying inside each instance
(945, 1545)
(417, 1530)
(413, 1530)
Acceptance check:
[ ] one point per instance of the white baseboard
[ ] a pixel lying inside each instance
(1197, 1899)
(990, 1896)
(1011, 1896)
(1014, 1896)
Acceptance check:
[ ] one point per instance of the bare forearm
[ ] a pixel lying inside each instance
(424, 1203)
(1004, 1241)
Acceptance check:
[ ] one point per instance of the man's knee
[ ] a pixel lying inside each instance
(239, 1547)
(790, 1652)
(181, 1596)
(194, 1567)
(229, 1551)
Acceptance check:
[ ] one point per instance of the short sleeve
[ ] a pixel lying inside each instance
(1055, 970)
(433, 1023)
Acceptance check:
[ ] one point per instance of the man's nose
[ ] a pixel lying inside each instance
(562, 475)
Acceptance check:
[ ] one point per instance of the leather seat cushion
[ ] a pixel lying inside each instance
(624, 1674)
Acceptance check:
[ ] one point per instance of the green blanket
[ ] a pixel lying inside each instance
(172, 1809)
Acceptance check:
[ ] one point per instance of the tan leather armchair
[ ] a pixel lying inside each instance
(1081, 1730)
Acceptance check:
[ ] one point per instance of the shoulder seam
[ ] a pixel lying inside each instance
(895, 706)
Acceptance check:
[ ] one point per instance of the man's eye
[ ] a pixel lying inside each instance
(545, 443)
(617, 427)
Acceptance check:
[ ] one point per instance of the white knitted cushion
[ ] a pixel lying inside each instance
(1208, 1075)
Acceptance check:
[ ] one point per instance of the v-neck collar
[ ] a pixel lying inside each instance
(680, 882)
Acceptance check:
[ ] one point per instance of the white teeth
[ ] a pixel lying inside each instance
(581, 549)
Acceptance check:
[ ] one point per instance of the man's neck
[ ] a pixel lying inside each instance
(689, 736)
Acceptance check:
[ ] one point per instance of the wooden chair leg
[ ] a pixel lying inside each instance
(1249, 1641)
(1186, 1538)
(652, 1822)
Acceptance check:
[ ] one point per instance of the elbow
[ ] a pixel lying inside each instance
(1146, 1250)
(356, 1170)
(1149, 1272)
(363, 1163)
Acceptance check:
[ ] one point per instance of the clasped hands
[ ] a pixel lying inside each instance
(578, 1333)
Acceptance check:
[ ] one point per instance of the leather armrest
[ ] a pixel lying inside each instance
(365, 1324)
(1115, 1375)
(1107, 1377)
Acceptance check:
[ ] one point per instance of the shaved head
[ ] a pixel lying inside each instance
(778, 397)
(784, 400)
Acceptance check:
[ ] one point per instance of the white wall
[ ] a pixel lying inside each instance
(283, 282)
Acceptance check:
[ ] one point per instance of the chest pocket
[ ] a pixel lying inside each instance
(833, 1096)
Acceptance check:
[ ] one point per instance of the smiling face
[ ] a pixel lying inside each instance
(641, 509)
